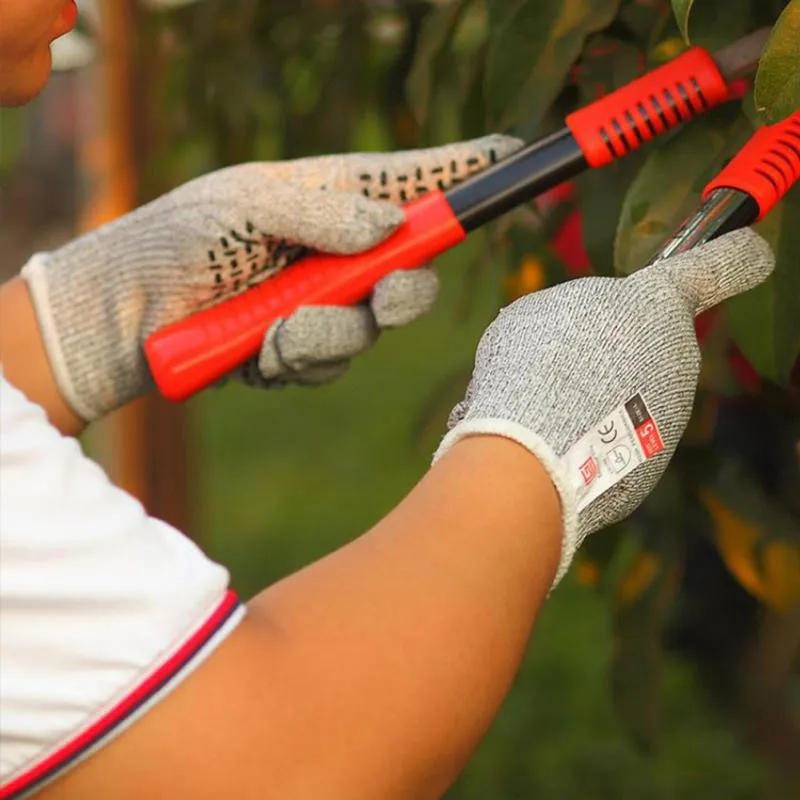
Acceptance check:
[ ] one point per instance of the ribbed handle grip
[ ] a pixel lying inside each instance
(199, 350)
(624, 120)
(766, 167)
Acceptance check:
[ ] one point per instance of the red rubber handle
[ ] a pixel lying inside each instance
(624, 120)
(199, 350)
(766, 167)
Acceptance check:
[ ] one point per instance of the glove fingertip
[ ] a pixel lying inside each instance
(716, 271)
(759, 251)
(321, 374)
(373, 221)
(344, 223)
(324, 334)
(270, 364)
(404, 296)
(739, 262)
(499, 145)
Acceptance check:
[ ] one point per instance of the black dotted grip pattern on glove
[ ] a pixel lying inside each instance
(245, 259)
(405, 187)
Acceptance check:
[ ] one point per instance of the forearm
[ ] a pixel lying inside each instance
(24, 360)
(424, 620)
(373, 673)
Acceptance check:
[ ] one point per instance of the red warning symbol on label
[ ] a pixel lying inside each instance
(650, 439)
(589, 470)
(645, 426)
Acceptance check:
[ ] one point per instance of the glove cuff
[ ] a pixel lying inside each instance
(34, 273)
(549, 460)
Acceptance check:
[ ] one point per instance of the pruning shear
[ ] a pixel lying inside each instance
(746, 190)
(196, 352)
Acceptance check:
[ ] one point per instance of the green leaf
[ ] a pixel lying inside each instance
(712, 23)
(765, 322)
(498, 10)
(473, 102)
(778, 79)
(602, 193)
(432, 58)
(739, 488)
(646, 21)
(669, 185)
(515, 48)
(606, 65)
(682, 10)
(755, 536)
(532, 53)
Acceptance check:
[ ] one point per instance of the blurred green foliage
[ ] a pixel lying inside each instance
(12, 128)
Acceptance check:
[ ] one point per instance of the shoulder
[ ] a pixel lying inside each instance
(102, 607)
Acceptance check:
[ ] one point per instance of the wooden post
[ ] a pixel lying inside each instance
(143, 446)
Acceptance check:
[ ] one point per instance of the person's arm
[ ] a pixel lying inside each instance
(24, 360)
(373, 673)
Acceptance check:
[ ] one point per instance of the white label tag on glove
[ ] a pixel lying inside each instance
(612, 449)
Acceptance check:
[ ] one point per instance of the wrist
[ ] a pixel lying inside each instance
(90, 330)
(521, 439)
(492, 493)
(24, 360)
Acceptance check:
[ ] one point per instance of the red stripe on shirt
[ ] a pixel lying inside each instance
(102, 727)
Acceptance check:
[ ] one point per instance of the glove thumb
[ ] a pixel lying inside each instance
(723, 268)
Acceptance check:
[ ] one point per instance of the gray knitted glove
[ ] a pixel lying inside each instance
(98, 298)
(597, 377)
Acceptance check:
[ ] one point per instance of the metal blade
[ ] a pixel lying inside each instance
(740, 59)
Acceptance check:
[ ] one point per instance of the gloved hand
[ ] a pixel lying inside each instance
(597, 377)
(99, 297)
